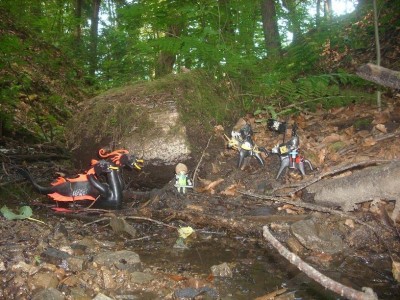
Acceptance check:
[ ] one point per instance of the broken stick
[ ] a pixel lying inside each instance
(326, 282)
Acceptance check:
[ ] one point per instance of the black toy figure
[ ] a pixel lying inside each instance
(289, 154)
(88, 186)
(243, 142)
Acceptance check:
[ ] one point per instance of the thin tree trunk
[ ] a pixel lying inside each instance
(94, 37)
(78, 27)
(378, 51)
(270, 28)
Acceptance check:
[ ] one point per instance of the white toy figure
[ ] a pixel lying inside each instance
(182, 181)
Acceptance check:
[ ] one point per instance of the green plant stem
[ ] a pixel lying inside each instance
(36, 220)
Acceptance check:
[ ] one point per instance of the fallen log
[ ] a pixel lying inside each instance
(326, 282)
(380, 75)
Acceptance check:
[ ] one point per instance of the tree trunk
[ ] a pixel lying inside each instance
(328, 9)
(93, 37)
(166, 59)
(78, 28)
(270, 27)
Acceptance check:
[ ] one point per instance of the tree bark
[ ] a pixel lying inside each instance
(78, 27)
(270, 28)
(328, 9)
(94, 36)
(380, 75)
(166, 59)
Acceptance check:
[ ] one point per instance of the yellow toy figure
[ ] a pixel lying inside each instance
(182, 181)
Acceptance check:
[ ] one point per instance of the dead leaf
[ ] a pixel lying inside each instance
(120, 226)
(396, 270)
(381, 128)
(321, 156)
(334, 137)
(381, 117)
(219, 129)
(215, 168)
(369, 142)
(195, 207)
(209, 186)
(272, 295)
(231, 190)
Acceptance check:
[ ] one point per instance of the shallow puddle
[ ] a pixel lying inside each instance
(257, 269)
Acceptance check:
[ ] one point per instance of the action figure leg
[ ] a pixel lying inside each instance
(242, 155)
(300, 166)
(309, 163)
(284, 164)
(259, 158)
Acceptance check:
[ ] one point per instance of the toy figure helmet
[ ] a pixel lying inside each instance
(294, 142)
(246, 131)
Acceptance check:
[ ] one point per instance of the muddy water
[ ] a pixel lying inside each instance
(259, 269)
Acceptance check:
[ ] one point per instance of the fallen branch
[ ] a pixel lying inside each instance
(326, 282)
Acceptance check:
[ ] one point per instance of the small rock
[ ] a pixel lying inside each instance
(43, 280)
(294, 245)
(349, 223)
(24, 267)
(140, 277)
(49, 294)
(75, 264)
(123, 260)
(108, 278)
(222, 270)
(54, 256)
(317, 237)
(2, 266)
(101, 296)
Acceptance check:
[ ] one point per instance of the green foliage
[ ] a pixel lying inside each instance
(328, 90)
(25, 212)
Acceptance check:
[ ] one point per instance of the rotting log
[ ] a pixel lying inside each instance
(344, 291)
(380, 75)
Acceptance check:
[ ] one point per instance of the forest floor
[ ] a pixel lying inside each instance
(137, 253)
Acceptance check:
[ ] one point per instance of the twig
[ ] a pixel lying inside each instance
(326, 282)
(151, 220)
(201, 158)
(133, 218)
